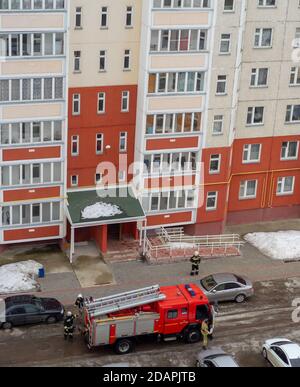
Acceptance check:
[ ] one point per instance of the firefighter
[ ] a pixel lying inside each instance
(205, 333)
(69, 325)
(79, 301)
(195, 260)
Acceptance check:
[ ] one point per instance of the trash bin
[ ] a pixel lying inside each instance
(41, 272)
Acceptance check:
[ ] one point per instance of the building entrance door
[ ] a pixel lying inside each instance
(114, 232)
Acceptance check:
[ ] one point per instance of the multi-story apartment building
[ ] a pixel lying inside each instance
(33, 119)
(203, 93)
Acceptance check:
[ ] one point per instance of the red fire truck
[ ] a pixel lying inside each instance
(167, 313)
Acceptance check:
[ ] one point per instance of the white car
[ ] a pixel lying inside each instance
(282, 352)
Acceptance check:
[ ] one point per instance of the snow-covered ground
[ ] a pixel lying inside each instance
(281, 245)
(182, 245)
(100, 210)
(19, 277)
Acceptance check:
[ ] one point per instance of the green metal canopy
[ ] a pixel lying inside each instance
(121, 199)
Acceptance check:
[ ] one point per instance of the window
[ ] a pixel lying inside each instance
(126, 64)
(215, 163)
(78, 17)
(218, 124)
(263, 37)
(77, 57)
(75, 146)
(292, 113)
(181, 82)
(101, 103)
(99, 143)
(74, 180)
(102, 60)
(123, 142)
(172, 314)
(295, 76)
(125, 101)
(122, 176)
(225, 44)
(129, 14)
(221, 84)
(251, 153)
(76, 104)
(285, 185)
(248, 189)
(228, 5)
(211, 201)
(255, 115)
(266, 3)
(104, 17)
(289, 150)
(98, 178)
(259, 77)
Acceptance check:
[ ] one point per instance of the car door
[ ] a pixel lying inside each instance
(16, 315)
(33, 314)
(218, 293)
(232, 289)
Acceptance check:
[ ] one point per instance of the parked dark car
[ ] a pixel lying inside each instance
(28, 309)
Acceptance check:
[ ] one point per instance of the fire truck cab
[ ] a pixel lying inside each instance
(166, 313)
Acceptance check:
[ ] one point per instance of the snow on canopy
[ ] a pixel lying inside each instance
(100, 210)
(279, 245)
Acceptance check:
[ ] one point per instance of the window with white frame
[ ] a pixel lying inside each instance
(181, 4)
(221, 84)
(255, 115)
(295, 76)
(126, 63)
(289, 150)
(27, 5)
(99, 143)
(77, 60)
(218, 124)
(228, 5)
(75, 145)
(104, 17)
(122, 175)
(248, 189)
(102, 60)
(285, 185)
(259, 77)
(78, 17)
(129, 17)
(74, 180)
(169, 200)
(181, 82)
(292, 113)
(263, 38)
(212, 200)
(123, 142)
(225, 43)
(266, 3)
(101, 103)
(166, 163)
(215, 164)
(98, 178)
(76, 104)
(125, 101)
(251, 153)
(173, 123)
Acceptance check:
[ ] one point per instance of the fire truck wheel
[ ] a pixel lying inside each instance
(123, 346)
(193, 336)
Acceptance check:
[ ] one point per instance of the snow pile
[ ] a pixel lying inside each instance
(100, 210)
(182, 245)
(19, 277)
(281, 245)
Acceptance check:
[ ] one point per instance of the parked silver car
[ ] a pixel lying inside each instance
(215, 357)
(227, 287)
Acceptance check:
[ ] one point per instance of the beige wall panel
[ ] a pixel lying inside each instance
(31, 21)
(177, 61)
(256, 13)
(31, 111)
(180, 18)
(172, 103)
(32, 67)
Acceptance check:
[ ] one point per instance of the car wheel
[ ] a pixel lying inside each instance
(193, 336)
(265, 353)
(240, 298)
(51, 320)
(7, 325)
(123, 346)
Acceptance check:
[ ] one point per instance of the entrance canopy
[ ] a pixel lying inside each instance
(103, 206)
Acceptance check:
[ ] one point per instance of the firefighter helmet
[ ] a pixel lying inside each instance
(69, 314)
(196, 253)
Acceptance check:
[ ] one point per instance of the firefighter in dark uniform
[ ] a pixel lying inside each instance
(69, 325)
(79, 302)
(195, 260)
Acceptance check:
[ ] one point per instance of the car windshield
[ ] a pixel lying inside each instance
(295, 363)
(208, 283)
(240, 280)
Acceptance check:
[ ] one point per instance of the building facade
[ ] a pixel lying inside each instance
(202, 94)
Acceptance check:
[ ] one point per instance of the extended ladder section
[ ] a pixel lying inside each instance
(122, 301)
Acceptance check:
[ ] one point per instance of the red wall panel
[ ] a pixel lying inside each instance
(31, 233)
(31, 194)
(49, 152)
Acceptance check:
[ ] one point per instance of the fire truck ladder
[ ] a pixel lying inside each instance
(126, 300)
